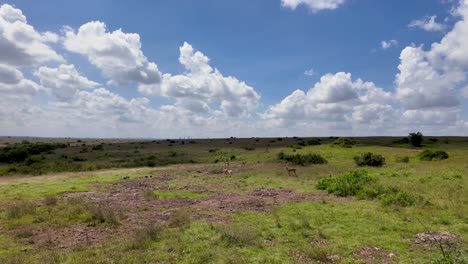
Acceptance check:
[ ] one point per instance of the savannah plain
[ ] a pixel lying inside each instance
(233, 200)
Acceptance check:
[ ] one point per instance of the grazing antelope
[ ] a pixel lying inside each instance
(291, 170)
(227, 171)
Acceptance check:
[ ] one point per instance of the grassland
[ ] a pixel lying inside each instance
(168, 201)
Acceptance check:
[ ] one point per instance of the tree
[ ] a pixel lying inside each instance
(416, 139)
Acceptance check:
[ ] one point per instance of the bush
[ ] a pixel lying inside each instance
(345, 142)
(313, 141)
(429, 155)
(238, 235)
(404, 159)
(370, 159)
(146, 235)
(404, 140)
(103, 215)
(149, 195)
(302, 160)
(51, 200)
(415, 139)
(348, 184)
(19, 209)
(393, 196)
(179, 218)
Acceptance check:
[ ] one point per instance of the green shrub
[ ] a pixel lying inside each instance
(393, 196)
(415, 139)
(313, 141)
(143, 237)
(404, 159)
(302, 160)
(345, 142)
(404, 140)
(429, 155)
(238, 234)
(369, 159)
(347, 184)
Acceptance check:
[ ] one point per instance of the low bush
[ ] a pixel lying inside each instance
(302, 160)
(143, 237)
(345, 142)
(313, 141)
(149, 195)
(20, 208)
(100, 214)
(404, 159)
(369, 159)
(358, 183)
(238, 235)
(429, 155)
(179, 218)
(50, 200)
(347, 184)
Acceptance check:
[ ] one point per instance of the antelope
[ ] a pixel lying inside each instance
(291, 170)
(227, 171)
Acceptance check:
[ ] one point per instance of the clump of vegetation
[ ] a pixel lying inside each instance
(358, 183)
(50, 200)
(143, 237)
(20, 152)
(179, 218)
(238, 235)
(345, 142)
(99, 214)
(348, 184)
(149, 195)
(404, 140)
(249, 148)
(369, 159)
(302, 160)
(313, 141)
(394, 196)
(429, 155)
(404, 159)
(99, 147)
(415, 139)
(19, 208)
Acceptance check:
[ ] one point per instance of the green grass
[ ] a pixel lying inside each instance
(313, 229)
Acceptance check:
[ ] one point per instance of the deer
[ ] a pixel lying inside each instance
(290, 170)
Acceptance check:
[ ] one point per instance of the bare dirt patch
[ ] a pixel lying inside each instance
(371, 254)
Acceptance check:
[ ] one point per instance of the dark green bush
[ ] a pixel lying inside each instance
(394, 196)
(302, 160)
(313, 141)
(369, 159)
(404, 140)
(429, 155)
(415, 139)
(345, 142)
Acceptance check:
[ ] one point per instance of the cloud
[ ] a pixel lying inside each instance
(335, 99)
(310, 72)
(64, 82)
(202, 86)
(314, 5)
(116, 53)
(20, 43)
(427, 24)
(388, 44)
(12, 82)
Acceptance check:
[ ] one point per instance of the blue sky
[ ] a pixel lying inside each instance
(267, 44)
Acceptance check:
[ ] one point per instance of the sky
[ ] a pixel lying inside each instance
(208, 68)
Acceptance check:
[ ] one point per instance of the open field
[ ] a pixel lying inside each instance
(168, 201)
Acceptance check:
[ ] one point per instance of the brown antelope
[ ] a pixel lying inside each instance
(227, 171)
(290, 170)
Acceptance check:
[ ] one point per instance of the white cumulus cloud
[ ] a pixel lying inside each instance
(427, 24)
(202, 86)
(64, 82)
(116, 53)
(20, 43)
(384, 44)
